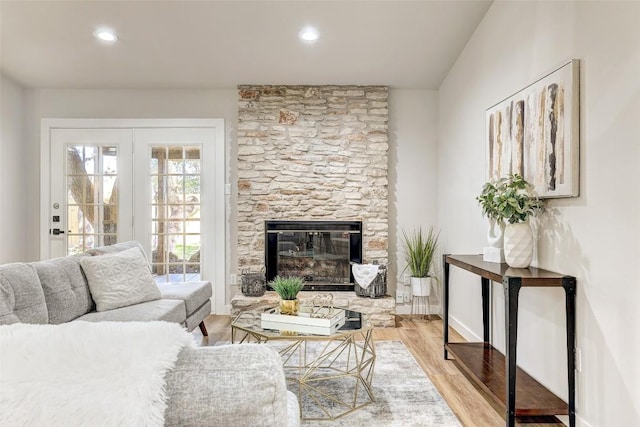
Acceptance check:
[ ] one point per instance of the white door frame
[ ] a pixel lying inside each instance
(217, 272)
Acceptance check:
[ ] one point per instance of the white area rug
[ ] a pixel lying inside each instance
(404, 395)
(87, 374)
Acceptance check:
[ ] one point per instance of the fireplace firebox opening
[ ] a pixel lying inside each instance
(321, 252)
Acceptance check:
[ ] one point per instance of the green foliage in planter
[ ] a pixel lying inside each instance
(420, 251)
(287, 287)
(510, 199)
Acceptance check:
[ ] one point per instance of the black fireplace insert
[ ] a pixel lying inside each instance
(320, 252)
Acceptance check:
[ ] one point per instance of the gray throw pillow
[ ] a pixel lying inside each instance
(119, 279)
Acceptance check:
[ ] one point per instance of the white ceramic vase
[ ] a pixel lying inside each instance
(421, 286)
(518, 245)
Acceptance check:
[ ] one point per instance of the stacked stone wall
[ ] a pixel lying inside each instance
(312, 153)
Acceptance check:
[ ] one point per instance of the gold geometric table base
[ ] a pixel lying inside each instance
(335, 380)
(332, 377)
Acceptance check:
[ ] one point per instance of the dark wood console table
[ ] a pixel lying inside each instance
(495, 373)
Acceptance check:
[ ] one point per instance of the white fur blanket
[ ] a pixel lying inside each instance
(87, 374)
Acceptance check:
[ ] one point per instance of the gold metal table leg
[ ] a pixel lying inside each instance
(314, 376)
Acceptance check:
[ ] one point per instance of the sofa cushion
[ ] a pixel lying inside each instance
(66, 291)
(119, 247)
(163, 309)
(21, 295)
(119, 279)
(194, 294)
(231, 385)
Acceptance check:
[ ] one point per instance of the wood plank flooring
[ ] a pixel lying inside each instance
(424, 340)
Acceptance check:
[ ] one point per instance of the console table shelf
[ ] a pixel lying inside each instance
(486, 365)
(498, 374)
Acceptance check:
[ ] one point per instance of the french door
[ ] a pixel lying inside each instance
(162, 186)
(171, 167)
(91, 191)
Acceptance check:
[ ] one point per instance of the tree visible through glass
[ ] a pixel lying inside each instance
(175, 212)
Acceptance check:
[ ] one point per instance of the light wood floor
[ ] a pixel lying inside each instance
(424, 340)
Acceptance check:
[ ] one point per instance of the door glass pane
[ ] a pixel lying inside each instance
(109, 167)
(175, 189)
(92, 196)
(175, 212)
(110, 189)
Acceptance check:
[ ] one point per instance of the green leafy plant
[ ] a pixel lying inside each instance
(287, 287)
(511, 199)
(420, 251)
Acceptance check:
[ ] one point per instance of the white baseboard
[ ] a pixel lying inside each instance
(463, 330)
(580, 422)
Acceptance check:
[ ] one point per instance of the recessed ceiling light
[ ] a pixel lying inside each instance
(309, 35)
(105, 35)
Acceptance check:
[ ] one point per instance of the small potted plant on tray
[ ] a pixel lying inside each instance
(287, 288)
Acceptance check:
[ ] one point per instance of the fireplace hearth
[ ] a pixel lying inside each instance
(321, 252)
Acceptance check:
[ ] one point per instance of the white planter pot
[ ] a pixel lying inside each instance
(518, 245)
(495, 234)
(421, 286)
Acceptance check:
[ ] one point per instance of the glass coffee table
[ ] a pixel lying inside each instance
(331, 375)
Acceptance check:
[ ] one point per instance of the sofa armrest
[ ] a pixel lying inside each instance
(233, 385)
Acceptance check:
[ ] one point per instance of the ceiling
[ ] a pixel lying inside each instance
(220, 44)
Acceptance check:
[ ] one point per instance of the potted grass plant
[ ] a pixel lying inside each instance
(511, 201)
(287, 288)
(420, 254)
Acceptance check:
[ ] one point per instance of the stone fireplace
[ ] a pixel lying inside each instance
(312, 153)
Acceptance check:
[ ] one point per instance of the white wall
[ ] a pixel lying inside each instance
(13, 172)
(412, 174)
(412, 125)
(595, 237)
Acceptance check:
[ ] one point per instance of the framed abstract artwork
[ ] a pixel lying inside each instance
(535, 133)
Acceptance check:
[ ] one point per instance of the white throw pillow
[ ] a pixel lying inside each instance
(119, 279)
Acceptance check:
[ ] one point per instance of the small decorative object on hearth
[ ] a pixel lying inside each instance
(320, 306)
(511, 201)
(287, 288)
(370, 280)
(253, 284)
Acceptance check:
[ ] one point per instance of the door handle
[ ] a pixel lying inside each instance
(56, 231)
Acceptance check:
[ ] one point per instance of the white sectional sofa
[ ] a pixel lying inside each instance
(233, 385)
